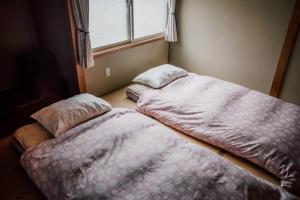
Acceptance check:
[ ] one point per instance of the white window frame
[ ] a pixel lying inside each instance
(131, 39)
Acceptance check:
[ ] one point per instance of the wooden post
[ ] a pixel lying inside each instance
(80, 71)
(286, 51)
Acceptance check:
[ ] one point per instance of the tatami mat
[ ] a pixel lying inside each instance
(118, 99)
(251, 168)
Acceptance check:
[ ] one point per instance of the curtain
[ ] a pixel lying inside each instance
(81, 15)
(171, 31)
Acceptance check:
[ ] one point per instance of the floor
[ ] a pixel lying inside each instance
(15, 184)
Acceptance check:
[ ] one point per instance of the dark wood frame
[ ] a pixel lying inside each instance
(80, 71)
(286, 51)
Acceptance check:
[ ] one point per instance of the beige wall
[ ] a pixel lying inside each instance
(235, 40)
(125, 65)
(291, 87)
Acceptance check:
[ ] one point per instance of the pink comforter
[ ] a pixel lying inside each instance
(260, 128)
(125, 155)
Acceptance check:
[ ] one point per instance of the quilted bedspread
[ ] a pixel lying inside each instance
(250, 124)
(126, 155)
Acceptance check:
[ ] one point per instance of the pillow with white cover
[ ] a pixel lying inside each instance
(66, 114)
(160, 76)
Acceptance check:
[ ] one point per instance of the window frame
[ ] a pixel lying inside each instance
(131, 42)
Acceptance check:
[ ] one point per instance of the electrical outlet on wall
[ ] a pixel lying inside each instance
(107, 72)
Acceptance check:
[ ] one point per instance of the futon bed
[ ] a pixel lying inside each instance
(252, 125)
(29, 136)
(123, 154)
(134, 91)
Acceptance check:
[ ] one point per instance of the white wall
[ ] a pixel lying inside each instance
(235, 40)
(291, 87)
(125, 65)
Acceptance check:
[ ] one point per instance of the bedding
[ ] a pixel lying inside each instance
(252, 125)
(160, 76)
(29, 136)
(118, 99)
(126, 155)
(134, 91)
(63, 115)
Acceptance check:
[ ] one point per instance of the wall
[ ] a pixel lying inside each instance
(17, 34)
(54, 34)
(125, 65)
(235, 40)
(291, 88)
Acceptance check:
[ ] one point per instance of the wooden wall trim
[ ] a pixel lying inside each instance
(127, 46)
(286, 51)
(80, 71)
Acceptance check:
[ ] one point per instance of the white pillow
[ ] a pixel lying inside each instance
(66, 114)
(160, 76)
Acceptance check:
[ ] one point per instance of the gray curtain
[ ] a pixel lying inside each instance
(81, 15)
(171, 31)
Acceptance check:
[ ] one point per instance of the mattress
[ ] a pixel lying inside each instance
(30, 136)
(134, 91)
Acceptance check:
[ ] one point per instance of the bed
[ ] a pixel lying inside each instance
(123, 154)
(134, 91)
(29, 136)
(249, 124)
(33, 134)
(119, 99)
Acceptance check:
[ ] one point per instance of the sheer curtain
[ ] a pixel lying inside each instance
(81, 15)
(171, 31)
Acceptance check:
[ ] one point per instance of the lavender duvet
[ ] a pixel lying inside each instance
(258, 127)
(125, 155)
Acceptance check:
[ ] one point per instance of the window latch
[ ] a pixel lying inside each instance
(130, 2)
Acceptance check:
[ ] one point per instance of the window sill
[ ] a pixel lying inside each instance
(127, 46)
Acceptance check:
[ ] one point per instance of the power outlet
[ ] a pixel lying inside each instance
(107, 72)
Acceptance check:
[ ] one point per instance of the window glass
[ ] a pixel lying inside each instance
(109, 22)
(150, 17)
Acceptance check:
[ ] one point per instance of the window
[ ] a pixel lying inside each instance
(117, 22)
(150, 17)
(109, 21)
